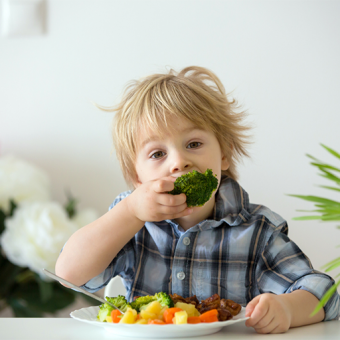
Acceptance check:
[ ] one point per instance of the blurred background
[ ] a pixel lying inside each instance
(279, 59)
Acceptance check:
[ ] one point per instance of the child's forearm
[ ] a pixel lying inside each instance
(90, 249)
(301, 304)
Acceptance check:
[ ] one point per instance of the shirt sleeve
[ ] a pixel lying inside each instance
(283, 268)
(122, 264)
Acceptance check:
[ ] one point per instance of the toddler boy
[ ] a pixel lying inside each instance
(165, 126)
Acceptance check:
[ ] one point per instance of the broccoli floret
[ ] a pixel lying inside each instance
(142, 301)
(105, 309)
(163, 298)
(197, 187)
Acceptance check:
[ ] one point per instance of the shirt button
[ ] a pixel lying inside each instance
(180, 276)
(186, 241)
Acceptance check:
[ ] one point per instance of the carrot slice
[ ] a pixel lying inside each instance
(169, 314)
(156, 322)
(114, 315)
(209, 316)
(194, 319)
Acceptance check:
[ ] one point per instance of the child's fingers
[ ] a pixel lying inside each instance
(265, 323)
(171, 210)
(165, 184)
(251, 305)
(259, 312)
(171, 200)
(185, 212)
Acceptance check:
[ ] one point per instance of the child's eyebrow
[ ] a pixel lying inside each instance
(157, 138)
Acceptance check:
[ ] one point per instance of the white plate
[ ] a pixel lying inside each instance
(89, 315)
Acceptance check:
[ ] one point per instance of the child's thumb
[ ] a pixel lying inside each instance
(251, 305)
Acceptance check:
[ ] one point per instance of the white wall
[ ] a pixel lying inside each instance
(281, 58)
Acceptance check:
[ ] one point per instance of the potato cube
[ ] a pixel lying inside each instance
(160, 315)
(141, 322)
(147, 315)
(189, 308)
(181, 318)
(108, 319)
(154, 307)
(130, 316)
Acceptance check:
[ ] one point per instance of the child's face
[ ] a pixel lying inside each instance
(185, 149)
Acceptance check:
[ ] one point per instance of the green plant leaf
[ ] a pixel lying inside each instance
(312, 157)
(325, 298)
(330, 217)
(45, 288)
(325, 166)
(2, 221)
(21, 310)
(330, 264)
(12, 207)
(334, 153)
(28, 297)
(71, 205)
(335, 265)
(330, 188)
(330, 176)
(8, 273)
(306, 218)
(317, 199)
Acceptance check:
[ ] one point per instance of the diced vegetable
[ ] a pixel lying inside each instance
(108, 319)
(170, 313)
(189, 308)
(181, 318)
(156, 322)
(194, 319)
(209, 316)
(147, 315)
(115, 316)
(141, 322)
(154, 307)
(130, 316)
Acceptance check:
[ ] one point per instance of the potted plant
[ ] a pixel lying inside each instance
(326, 210)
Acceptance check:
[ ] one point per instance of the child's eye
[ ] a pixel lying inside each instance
(158, 154)
(194, 145)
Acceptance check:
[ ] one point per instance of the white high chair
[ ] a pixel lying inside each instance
(115, 287)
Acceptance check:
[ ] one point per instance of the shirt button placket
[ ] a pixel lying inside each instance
(186, 241)
(180, 276)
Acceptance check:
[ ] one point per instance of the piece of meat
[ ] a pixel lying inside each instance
(226, 308)
(213, 302)
(224, 314)
(192, 299)
(233, 307)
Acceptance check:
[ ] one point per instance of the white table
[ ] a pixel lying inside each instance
(64, 329)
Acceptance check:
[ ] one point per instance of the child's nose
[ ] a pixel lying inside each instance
(180, 163)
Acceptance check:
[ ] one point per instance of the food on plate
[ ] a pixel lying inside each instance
(105, 309)
(163, 298)
(197, 187)
(226, 308)
(163, 309)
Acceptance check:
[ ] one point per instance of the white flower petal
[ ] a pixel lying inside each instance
(21, 182)
(35, 234)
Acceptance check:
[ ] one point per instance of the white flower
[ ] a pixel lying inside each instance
(21, 182)
(35, 234)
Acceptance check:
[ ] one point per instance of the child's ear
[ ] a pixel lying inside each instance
(225, 163)
(137, 182)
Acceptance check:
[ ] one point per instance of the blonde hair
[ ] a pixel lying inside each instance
(194, 93)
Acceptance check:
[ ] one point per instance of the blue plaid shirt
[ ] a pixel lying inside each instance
(241, 252)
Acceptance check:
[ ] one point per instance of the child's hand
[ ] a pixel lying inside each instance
(151, 201)
(269, 313)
